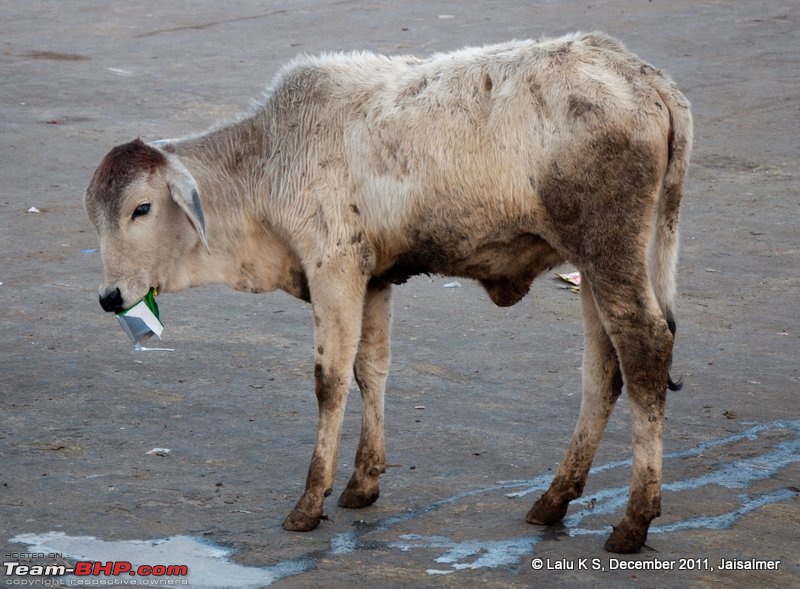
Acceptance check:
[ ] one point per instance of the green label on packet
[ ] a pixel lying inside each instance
(150, 300)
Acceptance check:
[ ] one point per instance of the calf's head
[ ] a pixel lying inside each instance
(146, 211)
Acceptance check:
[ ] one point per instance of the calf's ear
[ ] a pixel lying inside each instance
(183, 189)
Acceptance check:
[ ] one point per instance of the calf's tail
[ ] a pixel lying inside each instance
(665, 244)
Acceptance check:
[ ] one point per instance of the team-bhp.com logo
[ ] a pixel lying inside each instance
(95, 569)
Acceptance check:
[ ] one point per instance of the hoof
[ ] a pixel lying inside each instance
(299, 521)
(626, 539)
(353, 499)
(544, 513)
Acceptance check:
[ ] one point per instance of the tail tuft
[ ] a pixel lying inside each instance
(672, 385)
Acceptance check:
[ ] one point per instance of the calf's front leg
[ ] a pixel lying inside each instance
(337, 300)
(371, 369)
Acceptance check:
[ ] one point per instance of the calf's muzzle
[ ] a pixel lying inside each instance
(111, 301)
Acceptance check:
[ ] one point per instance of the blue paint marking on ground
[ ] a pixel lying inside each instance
(737, 474)
(477, 553)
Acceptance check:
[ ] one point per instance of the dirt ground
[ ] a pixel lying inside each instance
(234, 402)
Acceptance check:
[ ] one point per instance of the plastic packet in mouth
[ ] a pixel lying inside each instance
(141, 321)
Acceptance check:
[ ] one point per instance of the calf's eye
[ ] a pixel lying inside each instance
(141, 210)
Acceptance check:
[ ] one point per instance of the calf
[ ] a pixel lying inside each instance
(360, 170)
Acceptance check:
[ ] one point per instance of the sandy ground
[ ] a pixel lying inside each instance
(234, 403)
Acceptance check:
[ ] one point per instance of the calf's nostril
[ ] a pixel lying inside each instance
(111, 301)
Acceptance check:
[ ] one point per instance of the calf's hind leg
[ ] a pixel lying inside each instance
(602, 384)
(633, 319)
(371, 369)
